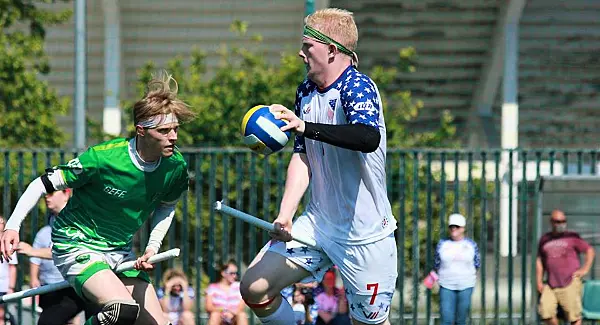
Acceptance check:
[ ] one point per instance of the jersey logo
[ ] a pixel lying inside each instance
(114, 191)
(385, 222)
(74, 234)
(75, 166)
(371, 315)
(306, 109)
(82, 259)
(332, 103)
(331, 111)
(365, 106)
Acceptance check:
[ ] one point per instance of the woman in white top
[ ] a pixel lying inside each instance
(456, 262)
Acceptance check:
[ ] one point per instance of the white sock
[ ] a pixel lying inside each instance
(284, 315)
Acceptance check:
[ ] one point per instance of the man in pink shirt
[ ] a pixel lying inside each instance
(558, 257)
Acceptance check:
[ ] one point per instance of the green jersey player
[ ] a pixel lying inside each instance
(117, 185)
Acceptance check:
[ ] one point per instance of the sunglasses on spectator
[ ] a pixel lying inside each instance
(231, 272)
(453, 227)
(559, 221)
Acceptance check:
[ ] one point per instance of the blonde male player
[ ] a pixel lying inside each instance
(340, 149)
(117, 185)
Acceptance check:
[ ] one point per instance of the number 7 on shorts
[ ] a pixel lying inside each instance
(375, 286)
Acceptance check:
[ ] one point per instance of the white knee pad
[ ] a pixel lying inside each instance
(118, 312)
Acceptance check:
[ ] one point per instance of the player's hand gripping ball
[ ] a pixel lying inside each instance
(261, 131)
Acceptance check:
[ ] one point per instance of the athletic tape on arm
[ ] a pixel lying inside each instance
(161, 221)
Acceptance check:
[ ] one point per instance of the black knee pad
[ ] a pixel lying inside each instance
(118, 312)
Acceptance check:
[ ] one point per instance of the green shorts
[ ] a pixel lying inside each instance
(79, 265)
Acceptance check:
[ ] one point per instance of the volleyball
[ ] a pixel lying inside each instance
(261, 131)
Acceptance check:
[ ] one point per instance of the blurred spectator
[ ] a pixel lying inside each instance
(308, 292)
(558, 257)
(8, 276)
(456, 262)
(328, 300)
(62, 306)
(301, 308)
(288, 293)
(224, 302)
(343, 315)
(177, 297)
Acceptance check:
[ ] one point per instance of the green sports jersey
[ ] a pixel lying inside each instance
(113, 195)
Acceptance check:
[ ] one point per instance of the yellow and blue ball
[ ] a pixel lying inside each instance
(261, 131)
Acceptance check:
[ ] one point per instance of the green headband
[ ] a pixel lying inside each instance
(317, 35)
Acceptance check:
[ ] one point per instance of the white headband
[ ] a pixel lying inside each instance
(158, 120)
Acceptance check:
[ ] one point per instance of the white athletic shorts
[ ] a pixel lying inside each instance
(79, 265)
(368, 271)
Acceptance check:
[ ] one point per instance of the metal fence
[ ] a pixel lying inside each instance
(494, 189)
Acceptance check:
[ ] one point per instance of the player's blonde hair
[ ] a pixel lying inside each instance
(160, 99)
(336, 23)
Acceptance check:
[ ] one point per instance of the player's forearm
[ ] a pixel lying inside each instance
(26, 202)
(298, 177)
(163, 216)
(357, 137)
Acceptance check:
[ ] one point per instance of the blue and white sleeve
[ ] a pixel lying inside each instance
(360, 101)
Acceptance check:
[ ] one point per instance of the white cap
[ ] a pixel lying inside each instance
(457, 219)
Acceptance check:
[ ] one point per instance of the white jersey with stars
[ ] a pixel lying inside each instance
(348, 193)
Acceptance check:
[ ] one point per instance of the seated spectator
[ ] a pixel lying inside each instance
(224, 302)
(301, 308)
(308, 291)
(328, 300)
(288, 293)
(343, 315)
(177, 298)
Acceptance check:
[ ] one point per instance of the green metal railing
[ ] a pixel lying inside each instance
(424, 187)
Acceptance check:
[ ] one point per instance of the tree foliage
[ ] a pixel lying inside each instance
(28, 105)
(245, 78)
